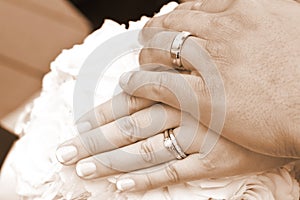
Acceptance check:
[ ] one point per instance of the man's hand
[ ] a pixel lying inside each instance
(255, 46)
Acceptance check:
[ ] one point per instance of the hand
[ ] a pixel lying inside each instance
(135, 142)
(254, 45)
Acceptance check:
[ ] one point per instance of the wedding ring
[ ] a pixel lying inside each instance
(176, 47)
(171, 144)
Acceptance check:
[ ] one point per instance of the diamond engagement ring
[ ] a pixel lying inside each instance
(171, 144)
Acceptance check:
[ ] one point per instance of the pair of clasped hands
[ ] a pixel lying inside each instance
(254, 47)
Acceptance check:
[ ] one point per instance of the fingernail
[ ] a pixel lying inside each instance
(66, 153)
(85, 169)
(84, 126)
(125, 77)
(125, 184)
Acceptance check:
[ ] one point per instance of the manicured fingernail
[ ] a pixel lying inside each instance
(84, 126)
(125, 184)
(85, 169)
(66, 153)
(124, 79)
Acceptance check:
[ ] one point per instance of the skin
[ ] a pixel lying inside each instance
(110, 139)
(255, 46)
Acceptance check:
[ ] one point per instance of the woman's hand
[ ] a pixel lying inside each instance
(135, 143)
(253, 48)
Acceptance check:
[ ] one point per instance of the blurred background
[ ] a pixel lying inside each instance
(34, 32)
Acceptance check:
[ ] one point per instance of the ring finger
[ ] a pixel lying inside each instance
(157, 52)
(143, 154)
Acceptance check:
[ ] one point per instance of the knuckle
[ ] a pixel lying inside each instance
(148, 182)
(210, 163)
(101, 117)
(154, 24)
(90, 144)
(230, 21)
(177, 17)
(218, 50)
(147, 152)
(132, 103)
(169, 20)
(172, 174)
(213, 48)
(160, 88)
(199, 86)
(231, 24)
(218, 22)
(151, 28)
(128, 129)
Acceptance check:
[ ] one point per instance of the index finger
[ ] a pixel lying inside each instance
(119, 106)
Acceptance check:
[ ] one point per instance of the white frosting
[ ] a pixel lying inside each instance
(40, 176)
